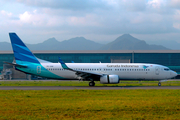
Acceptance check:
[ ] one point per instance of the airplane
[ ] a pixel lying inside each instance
(106, 73)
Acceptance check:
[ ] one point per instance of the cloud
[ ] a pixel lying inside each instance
(175, 4)
(66, 4)
(5, 17)
(90, 17)
(5, 13)
(34, 18)
(176, 20)
(101, 22)
(156, 3)
(37, 18)
(25, 17)
(133, 5)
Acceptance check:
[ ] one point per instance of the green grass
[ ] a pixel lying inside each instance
(90, 104)
(84, 83)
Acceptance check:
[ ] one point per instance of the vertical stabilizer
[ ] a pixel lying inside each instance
(21, 52)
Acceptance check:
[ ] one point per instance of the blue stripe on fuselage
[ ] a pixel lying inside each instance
(32, 69)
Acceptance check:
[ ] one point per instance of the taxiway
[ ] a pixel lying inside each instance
(81, 87)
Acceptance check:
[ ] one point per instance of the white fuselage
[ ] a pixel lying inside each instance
(125, 71)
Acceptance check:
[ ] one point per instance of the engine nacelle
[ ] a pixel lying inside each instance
(109, 79)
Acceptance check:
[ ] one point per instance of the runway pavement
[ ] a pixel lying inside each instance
(81, 87)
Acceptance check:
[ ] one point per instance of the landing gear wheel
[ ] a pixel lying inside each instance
(91, 83)
(159, 84)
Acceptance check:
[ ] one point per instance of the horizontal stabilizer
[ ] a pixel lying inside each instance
(17, 65)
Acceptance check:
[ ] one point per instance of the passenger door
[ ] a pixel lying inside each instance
(157, 70)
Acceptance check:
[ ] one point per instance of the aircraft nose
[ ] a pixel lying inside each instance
(173, 73)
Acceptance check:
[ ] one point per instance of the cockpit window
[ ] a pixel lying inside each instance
(166, 69)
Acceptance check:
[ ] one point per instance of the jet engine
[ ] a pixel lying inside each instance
(109, 79)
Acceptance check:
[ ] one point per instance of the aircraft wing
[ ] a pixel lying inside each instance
(82, 74)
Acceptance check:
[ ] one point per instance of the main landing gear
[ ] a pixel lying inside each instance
(92, 83)
(159, 84)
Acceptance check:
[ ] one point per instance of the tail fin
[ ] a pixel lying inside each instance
(21, 52)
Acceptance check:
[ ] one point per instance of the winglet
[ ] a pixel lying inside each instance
(64, 66)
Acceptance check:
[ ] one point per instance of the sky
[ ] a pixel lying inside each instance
(99, 20)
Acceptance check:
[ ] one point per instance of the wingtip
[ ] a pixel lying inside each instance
(64, 66)
(60, 60)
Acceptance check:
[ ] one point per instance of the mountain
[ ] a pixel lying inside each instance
(78, 43)
(50, 44)
(5, 46)
(124, 42)
(171, 44)
(128, 42)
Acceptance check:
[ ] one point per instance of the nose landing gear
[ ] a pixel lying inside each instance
(159, 84)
